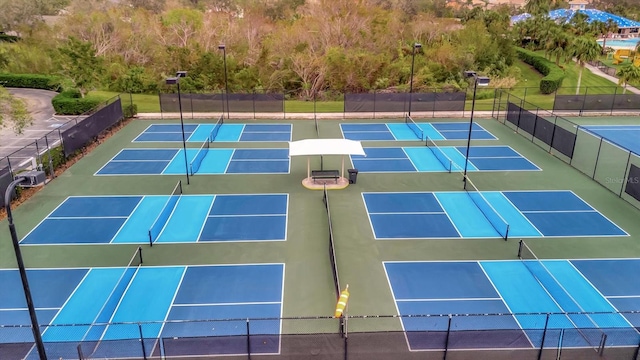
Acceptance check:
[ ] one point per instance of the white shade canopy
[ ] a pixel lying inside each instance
(325, 147)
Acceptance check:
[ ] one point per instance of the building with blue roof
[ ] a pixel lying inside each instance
(626, 27)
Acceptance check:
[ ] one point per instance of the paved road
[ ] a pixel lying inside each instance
(44, 121)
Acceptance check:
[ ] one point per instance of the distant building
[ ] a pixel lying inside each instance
(578, 4)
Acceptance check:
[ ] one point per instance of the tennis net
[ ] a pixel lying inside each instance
(489, 212)
(414, 127)
(332, 258)
(581, 320)
(439, 154)
(105, 315)
(200, 155)
(165, 213)
(216, 128)
(332, 249)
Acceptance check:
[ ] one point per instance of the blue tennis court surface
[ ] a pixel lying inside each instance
(622, 135)
(215, 161)
(527, 288)
(225, 133)
(146, 294)
(400, 131)
(486, 214)
(193, 218)
(443, 158)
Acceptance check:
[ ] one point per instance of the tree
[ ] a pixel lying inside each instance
(610, 27)
(584, 49)
(13, 111)
(80, 64)
(626, 74)
(558, 43)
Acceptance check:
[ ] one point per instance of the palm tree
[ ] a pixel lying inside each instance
(558, 43)
(584, 49)
(610, 26)
(536, 7)
(626, 74)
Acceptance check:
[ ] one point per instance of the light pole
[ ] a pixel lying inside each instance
(226, 83)
(176, 81)
(413, 60)
(35, 328)
(477, 81)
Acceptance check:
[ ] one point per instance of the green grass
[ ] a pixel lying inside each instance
(147, 103)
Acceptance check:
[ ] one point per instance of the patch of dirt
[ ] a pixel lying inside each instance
(27, 193)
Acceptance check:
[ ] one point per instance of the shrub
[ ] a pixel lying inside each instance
(57, 159)
(69, 102)
(554, 75)
(130, 110)
(34, 81)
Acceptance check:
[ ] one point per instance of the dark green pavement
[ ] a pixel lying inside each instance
(308, 280)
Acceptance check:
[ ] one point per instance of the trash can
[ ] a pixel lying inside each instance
(353, 175)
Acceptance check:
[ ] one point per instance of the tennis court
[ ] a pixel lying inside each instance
(441, 158)
(122, 294)
(264, 216)
(622, 135)
(414, 131)
(216, 132)
(487, 214)
(163, 219)
(209, 161)
(528, 287)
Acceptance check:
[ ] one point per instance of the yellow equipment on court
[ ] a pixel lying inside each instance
(342, 302)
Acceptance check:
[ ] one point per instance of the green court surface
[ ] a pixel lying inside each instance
(308, 282)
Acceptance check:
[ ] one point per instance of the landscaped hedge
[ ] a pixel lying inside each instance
(33, 81)
(71, 102)
(553, 74)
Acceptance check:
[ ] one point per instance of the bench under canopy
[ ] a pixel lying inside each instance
(325, 147)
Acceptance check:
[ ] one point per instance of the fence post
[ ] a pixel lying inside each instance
(595, 167)
(51, 169)
(160, 103)
(80, 353)
(144, 350)
(626, 173)
(560, 341)
(544, 335)
(446, 341)
(248, 340)
(613, 102)
(345, 336)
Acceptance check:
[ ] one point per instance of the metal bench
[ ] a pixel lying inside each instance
(325, 174)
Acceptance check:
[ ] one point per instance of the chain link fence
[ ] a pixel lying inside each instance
(611, 165)
(52, 149)
(478, 336)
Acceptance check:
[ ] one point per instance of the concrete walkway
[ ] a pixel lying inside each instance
(613, 79)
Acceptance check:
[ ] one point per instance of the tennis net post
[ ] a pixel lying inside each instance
(417, 130)
(490, 213)
(164, 215)
(594, 336)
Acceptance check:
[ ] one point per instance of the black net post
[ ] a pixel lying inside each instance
(520, 248)
(140, 254)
